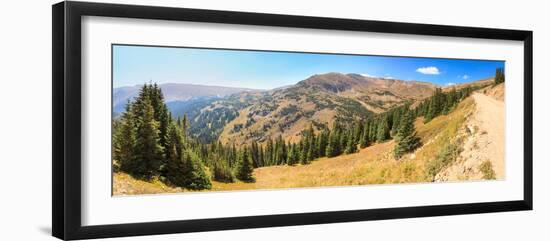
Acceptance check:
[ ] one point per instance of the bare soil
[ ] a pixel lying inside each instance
(483, 139)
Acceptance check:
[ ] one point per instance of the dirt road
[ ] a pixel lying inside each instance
(490, 116)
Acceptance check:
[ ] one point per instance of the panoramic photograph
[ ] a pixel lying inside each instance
(188, 120)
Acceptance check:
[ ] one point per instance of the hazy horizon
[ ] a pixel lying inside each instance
(265, 70)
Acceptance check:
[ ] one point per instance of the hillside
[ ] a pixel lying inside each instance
(483, 142)
(447, 152)
(241, 116)
(319, 100)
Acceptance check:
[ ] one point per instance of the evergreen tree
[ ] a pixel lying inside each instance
(357, 131)
(342, 141)
(188, 172)
(244, 170)
(304, 150)
(499, 76)
(222, 171)
(333, 146)
(364, 142)
(406, 137)
(124, 140)
(254, 150)
(184, 126)
(269, 152)
(160, 113)
(293, 155)
(382, 132)
(175, 146)
(148, 151)
(311, 150)
(322, 142)
(351, 145)
(261, 155)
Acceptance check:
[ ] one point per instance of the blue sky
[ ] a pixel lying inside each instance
(135, 65)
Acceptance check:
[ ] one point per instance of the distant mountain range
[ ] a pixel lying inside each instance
(175, 93)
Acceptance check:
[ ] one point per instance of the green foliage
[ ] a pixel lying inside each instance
(333, 147)
(188, 172)
(499, 76)
(487, 169)
(441, 103)
(445, 157)
(351, 144)
(293, 154)
(365, 137)
(245, 169)
(221, 171)
(322, 142)
(124, 140)
(383, 130)
(406, 137)
(148, 150)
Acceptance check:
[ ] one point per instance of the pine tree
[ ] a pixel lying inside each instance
(269, 152)
(322, 142)
(406, 137)
(342, 141)
(175, 146)
(351, 145)
(357, 131)
(304, 150)
(184, 126)
(499, 76)
(148, 151)
(160, 113)
(255, 154)
(244, 170)
(261, 155)
(188, 172)
(292, 155)
(222, 171)
(284, 152)
(364, 142)
(382, 132)
(124, 140)
(311, 150)
(333, 146)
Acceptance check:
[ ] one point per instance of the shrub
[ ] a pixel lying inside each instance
(221, 171)
(446, 156)
(487, 169)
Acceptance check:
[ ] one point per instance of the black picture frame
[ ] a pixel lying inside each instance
(66, 127)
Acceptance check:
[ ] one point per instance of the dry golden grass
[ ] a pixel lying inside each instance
(440, 132)
(124, 184)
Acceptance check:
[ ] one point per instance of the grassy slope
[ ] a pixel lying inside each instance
(124, 184)
(372, 165)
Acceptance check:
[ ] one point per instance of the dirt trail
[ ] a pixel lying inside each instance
(491, 119)
(483, 141)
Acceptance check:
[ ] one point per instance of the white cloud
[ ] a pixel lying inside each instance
(368, 75)
(465, 76)
(428, 70)
(451, 84)
(388, 77)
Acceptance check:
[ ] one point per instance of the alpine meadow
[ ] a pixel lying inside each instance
(195, 120)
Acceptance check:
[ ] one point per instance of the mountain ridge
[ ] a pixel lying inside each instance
(175, 92)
